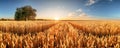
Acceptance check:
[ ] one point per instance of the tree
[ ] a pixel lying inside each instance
(25, 13)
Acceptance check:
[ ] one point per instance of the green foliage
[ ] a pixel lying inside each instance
(25, 13)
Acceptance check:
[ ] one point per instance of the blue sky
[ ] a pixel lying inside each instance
(66, 9)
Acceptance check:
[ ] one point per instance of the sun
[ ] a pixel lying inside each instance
(56, 18)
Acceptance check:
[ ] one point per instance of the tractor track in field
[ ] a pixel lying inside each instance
(46, 27)
(61, 27)
(56, 35)
(78, 28)
(32, 29)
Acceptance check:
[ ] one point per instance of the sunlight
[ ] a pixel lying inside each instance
(56, 18)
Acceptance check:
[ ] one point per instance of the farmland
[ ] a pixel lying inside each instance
(59, 34)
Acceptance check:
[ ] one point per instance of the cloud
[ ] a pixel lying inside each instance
(83, 15)
(72, 14)
(79, 10)
(110, 0)
(79, 15)
(90, 2)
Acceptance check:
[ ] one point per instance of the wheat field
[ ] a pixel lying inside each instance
(59, 34)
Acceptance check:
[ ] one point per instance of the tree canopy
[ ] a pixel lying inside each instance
(25, 13)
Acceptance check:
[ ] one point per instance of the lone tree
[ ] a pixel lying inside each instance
(25, 13)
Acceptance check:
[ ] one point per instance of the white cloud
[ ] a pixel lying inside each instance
(76, 13)
(79, 15)
(72, 14)
(79, 10)
(110, 0)
(83, 15)
(90, 2)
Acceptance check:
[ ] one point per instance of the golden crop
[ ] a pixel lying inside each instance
(50, 34)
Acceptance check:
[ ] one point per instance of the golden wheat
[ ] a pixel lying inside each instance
(59, 35)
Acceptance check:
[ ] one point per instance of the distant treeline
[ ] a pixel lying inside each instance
(2, 19)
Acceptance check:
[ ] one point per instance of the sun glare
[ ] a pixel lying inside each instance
(56, 18)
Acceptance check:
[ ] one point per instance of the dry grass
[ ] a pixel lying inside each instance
(59, 35)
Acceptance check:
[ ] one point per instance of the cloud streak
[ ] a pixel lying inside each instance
(79, 10)
(90, 2)
(110, 0)
(79, 15)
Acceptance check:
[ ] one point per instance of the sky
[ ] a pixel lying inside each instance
(64, 9)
